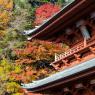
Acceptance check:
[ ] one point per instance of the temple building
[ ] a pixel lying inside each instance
(74, 25)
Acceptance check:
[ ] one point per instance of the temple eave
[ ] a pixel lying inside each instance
(71, 74)
(73, 26)
(64, 19)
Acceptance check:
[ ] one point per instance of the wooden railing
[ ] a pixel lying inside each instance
(82, 45)
(69, 52)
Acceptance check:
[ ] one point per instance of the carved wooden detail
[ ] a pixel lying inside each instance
(77, 50)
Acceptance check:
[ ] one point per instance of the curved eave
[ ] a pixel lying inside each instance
(63, 19)
(58, 78)
(51, 19)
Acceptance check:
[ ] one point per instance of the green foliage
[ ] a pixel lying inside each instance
(23, 15)
(7, 83)
(17, 94)
(12, 39)
(23, 67)
(17, 69)
(5, 12)
(21, 4)
(12, 87)
(43, 1)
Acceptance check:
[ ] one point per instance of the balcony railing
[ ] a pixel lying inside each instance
(74, 50)
(69, 52)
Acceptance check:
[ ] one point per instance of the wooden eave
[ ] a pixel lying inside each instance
(64, 18)
(82, 70)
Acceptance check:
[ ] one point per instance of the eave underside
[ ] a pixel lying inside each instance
(71, 74)
(75, 13)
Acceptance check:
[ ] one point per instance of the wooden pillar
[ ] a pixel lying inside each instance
(83, 29)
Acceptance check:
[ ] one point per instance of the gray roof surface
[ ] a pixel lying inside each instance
(31, 31)
(62, 74)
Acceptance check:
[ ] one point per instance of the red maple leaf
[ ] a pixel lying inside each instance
(44, 12)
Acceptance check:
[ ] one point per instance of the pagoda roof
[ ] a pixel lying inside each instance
(38, 28)
(65, 17)
(60, 77)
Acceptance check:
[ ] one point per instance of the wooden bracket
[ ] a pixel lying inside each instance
(77, 56)
(92, 49)
(65, 61)
(56, 66)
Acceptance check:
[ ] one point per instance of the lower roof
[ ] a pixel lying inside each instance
(60, 75)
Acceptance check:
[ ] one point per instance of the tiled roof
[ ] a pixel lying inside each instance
(60, 75)
(46, 22)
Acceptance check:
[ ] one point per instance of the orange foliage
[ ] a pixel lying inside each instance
(38, 50)
(44, 12)
(23, 61)
(25, 76)
(32, 53)
(6, 4)
(6, 7)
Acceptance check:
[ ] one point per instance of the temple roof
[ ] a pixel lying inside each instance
(65, 17)
(48, 21)
(51, 80)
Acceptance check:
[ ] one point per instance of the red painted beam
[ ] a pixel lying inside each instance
(59, 20)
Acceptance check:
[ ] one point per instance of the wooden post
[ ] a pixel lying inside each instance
(55, 57)
(84, 31)
(85, 42)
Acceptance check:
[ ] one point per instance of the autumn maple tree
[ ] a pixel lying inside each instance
(38, 50)
(45, 11)
(5, 12)
(22, 61)
(8, 84)
(37, 56)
